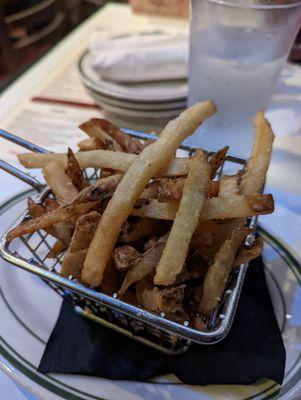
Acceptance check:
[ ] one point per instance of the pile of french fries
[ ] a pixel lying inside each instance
(162, 232)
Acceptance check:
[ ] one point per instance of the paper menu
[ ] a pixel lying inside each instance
(52, 126)
(51, 114)
(64, 85)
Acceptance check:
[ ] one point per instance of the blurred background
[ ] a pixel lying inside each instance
(30, 28)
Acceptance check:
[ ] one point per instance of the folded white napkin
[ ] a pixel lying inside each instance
(141, 57)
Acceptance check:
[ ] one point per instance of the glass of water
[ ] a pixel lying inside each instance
(237, 51)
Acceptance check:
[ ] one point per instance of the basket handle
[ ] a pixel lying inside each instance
(23, 176)
(22, 142)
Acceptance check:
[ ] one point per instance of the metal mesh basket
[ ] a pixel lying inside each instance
(30, 253)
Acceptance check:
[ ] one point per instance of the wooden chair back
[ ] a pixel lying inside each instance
(42, 23)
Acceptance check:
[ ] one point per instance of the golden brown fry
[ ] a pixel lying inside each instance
(93, 129)
(102, 159)
(112, 279)
(218, 232)
(74, 171)
(63, 231)
(214, 208)
(91, 144)
(228, 186)
(59, 182)
(199, 324)
(127, 143)
(144, 228)
(84, 231)
(151, 191)
(204, 235)
(218, 272)
(254, 175)
(37, 209)
(170, 189)
(58, 248)
(50, 204)
(148, 162)
(73, 263)
(63, 213)
(64, 190)
(146, 265)
(99, 190)
(167, 300)
(125, 257)
(186, 221)
(82, 236)
(246, 255)
(213, 189)
(217, 159)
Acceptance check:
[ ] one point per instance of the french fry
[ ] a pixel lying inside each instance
(246, 255)
(64, 191)
(112, 280)
(86, 224)
(102, 159)
(84, 231)
(63, 213)
(50, 204)
(63, 231)
(83, 234)
(74, 171)
(213, 189)
(218, 233)
(59, 182)
(148, 163)
(125, 257)
(170, 189)
(151, 191)
(37, 210)
(228, 186)
(146, 265)
(85, 228)
(99, 190)
(214, 208)
(218, 272)
(144, 228)
(186, 221)
(58, 248)
(254, 175)
(167, 300)
(126, 142)
(94, 130)
(217, 159)
(73, 263)
(91, 144)
(204, 235)
(160, 220)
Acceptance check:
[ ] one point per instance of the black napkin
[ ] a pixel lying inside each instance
(252, 350)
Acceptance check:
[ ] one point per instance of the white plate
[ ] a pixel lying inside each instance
(163, 91)
(28, 310)
(134, 113)
(136, 106)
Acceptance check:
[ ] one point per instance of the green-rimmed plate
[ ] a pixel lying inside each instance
(28, 311)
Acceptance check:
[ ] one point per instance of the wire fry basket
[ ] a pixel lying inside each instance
(30, 253)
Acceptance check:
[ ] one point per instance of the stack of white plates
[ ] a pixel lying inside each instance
(146, 100)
